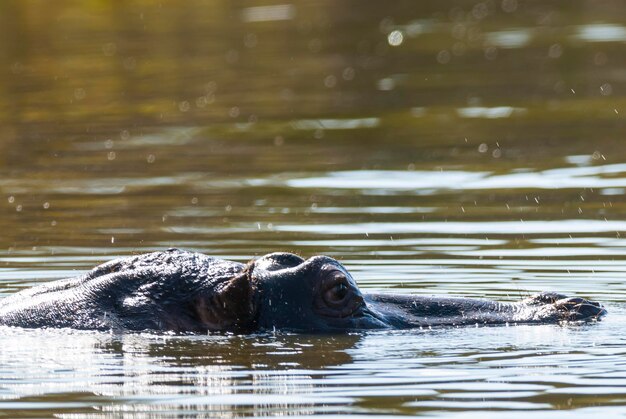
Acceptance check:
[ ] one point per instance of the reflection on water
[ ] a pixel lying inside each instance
(495, 112)
(336, 123)
(514, 38)
(602, 33)
(598, 177)
(434, 147)
(508, 368)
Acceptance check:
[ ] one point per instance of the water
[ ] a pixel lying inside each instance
(449, 147)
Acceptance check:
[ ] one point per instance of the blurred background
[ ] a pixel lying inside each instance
(401, 130)
(451, 147)
(426, 132)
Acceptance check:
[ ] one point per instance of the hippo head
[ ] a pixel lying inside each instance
(317, 294)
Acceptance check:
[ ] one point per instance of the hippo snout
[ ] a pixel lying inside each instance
(579, 309)
(564, 308)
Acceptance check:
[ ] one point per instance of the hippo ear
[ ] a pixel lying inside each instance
(231, 306)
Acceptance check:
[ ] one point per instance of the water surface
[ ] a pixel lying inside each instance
(434, 147)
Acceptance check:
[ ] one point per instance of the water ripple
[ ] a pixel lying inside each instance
(458, 228)
(442, 180)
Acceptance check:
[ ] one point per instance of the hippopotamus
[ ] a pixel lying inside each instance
(187, 292)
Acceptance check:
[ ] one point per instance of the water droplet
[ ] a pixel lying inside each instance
(129, 63)
(201, 102)
(80, 93)
(606, 89)
(151, 158)
(509, 6)
(210, 87)
(184, 106)
(480, 11)
(395, 38)
(443, 57)
(109, 49)
(46, 205)
(555, 51)
(491, 53)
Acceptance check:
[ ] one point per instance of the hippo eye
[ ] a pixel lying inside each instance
(340, 290)
(337, 292)
(337, 296)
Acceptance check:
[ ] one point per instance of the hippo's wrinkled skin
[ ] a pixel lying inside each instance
(189, 292)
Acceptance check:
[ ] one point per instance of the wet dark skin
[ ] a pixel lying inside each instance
(187, 292)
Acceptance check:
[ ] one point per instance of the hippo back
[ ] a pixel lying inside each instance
(154, 291)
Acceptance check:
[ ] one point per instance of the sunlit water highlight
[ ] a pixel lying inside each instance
(504, 368)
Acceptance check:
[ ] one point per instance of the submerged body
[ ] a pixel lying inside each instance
(183, 291)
